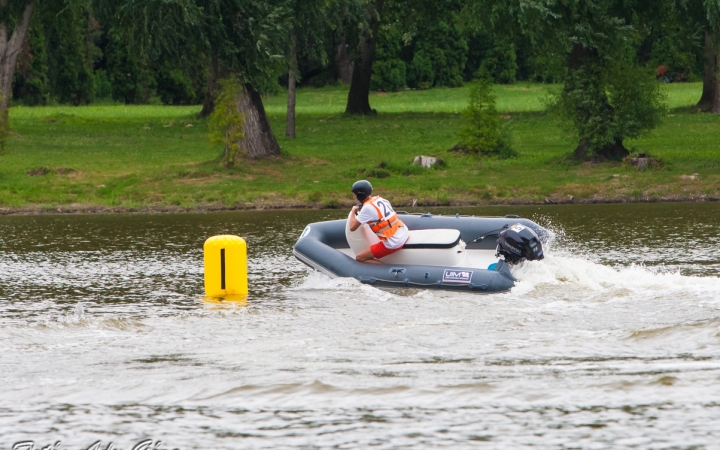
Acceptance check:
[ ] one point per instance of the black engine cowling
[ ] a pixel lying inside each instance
(517, 243)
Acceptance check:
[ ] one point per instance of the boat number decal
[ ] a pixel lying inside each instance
(457, 276)
(305, 232)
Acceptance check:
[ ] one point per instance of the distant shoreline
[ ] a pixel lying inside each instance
(37, 210)
(158, 159)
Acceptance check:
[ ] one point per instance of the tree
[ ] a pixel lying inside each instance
(30, 83)
(440, 50)
(358, 102)
(71, 30)
(420, 45)
(591, 43)
(707, 100)
(245, 38)
(308, 23)
(438, 43)
(710, 9)
(10, 49)
(481, 131)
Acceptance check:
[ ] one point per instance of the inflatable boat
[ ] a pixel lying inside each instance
(458, 253)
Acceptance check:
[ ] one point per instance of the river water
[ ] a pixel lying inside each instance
(612, 341)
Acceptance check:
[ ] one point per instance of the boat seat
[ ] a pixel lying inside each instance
(435, 238)
(433, 247)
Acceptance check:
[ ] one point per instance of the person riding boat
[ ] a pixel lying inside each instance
(383, 221)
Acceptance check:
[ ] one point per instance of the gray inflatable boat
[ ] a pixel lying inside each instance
(457, 253)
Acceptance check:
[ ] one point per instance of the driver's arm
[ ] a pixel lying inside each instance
(354, 223)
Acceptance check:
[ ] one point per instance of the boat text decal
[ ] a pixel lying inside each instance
(456, 276)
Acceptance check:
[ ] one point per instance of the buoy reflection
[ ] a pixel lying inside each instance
(227, 302)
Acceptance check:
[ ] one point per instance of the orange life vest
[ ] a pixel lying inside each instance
(384, 227)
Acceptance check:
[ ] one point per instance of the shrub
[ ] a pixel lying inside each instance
(388, 76)
(378, 173)
(442, 45)
(481, 131)
(226, 121)
(388, 69)
(103, 87)
(420, 74)
(174, 86)
(500, 62)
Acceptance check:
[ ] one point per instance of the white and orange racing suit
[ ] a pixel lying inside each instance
(384, 222)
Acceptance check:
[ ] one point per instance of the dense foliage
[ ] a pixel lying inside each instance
(76, 53)
(592, 46)
(226, 122)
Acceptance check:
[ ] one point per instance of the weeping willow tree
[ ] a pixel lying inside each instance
(245, 39)
(14, 25)
(606, 96)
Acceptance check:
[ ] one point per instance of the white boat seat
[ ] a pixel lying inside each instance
(437, 238)
(436, 247)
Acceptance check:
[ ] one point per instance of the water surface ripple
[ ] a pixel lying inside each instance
(612, 341)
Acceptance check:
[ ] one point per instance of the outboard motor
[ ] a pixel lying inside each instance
(517, 243)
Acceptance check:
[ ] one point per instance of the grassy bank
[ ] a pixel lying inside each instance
(134, 157)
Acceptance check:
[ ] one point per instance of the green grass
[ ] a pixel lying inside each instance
(158, 156)
(520, 97)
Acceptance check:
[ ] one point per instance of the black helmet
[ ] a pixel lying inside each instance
(362, 189)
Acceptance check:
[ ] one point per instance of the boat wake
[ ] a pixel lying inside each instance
(567, 268)
(561, 269)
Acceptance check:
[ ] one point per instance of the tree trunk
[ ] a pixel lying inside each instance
(709, 77)
(9, 51)
(259, 139)
(359, 95)
(292, 73)
(609, 152)
(343, 65)
(715, 107)
(211, 87)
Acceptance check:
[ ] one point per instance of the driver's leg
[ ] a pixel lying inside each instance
(366, 256)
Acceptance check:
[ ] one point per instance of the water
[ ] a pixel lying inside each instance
(612, 341)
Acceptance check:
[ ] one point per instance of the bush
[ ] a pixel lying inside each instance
(378, 173)
(481, 131)
(442, 45)
(388, 76)
(388, 69)
(500, 62)
(174, 86)
(226, 121)
(420, 73)
(103, 88)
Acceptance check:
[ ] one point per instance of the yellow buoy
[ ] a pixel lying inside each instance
(225, 266)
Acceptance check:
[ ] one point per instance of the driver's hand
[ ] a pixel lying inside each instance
(355, 210)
